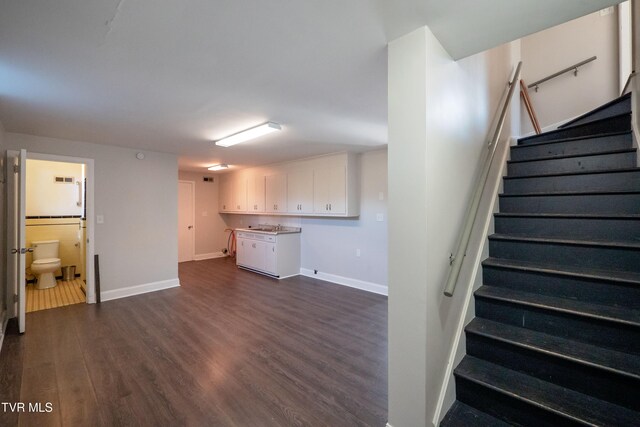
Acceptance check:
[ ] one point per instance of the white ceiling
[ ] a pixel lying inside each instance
(173, 75)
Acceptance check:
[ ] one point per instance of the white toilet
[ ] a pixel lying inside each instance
(45, 262)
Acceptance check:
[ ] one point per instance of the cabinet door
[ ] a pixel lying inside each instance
(300, 191)
(276, 193)
(271, 259)
(241, 251)
(256, 189)
(329, 190)
(225, 196)
(240, 194)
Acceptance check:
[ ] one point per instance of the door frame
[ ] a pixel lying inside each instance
(90, 187)
(193, 218)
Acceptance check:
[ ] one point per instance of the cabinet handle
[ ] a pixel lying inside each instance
(273, 248)
(326, 207)
(329, 206)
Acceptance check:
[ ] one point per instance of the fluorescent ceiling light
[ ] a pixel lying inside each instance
(248, 134)
(218, 167)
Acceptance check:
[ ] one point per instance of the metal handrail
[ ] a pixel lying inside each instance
(455, 261)
(573, 68)
(626, 85)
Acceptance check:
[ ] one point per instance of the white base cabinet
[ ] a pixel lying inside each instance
(276, 255)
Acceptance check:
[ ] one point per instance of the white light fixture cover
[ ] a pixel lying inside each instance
(248, 134)
(218, 167)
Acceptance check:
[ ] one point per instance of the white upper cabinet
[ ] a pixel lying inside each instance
(256, 193)
(321, 186)
(300, 189)
(276, 193)
(330, 190)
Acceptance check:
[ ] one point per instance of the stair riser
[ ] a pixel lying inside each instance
(596, 257)
(618, 181)
(579, 146)
(623, 106)
(610, 386)
(614, 124)
(579, 228)
(574, 164)
(572, 204)
(581, 289)
(574, 327)
(506, 407)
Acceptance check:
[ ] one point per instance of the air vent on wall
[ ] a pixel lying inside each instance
(63, 180)
(207, 178)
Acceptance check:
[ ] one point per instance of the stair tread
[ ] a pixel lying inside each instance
(464, 415)
(567, 215)
(626, 244)
(551, 397)
(524, 140)
(565, 270)
(587, 354)
(611, 103)
(569, 156)
(618, 315)
(574, 138)
(570, 193)
(587, 172)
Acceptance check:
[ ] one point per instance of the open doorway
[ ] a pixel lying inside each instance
(55, 233)
(17, 248)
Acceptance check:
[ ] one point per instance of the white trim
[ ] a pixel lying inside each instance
(346, 281)
(193, 218)
(468, 297)
(139, 289)
(389, 425)
(90, 202)
(202, 257)
(4, 320)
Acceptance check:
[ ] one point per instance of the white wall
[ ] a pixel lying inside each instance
(137, 243)
(440, 112)
(47, 197)
(3, 225)
(559, 47)
(329, 244)
(209, 227)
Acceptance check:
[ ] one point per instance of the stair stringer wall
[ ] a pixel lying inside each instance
(471, 274)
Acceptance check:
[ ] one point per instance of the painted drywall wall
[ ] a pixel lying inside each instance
(3, 227)
(440, 112)
(329, 245)
(210, 237)
(47, 197)
(551, 50)
(137, 243)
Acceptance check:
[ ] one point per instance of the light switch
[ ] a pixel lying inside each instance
(205, 213)
(357, 252)
(381, 196)
(379, 217)
(100, 219)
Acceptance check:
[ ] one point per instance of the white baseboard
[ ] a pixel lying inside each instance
(347, 281)
(138, 289)
(548, 128)
(202, 257)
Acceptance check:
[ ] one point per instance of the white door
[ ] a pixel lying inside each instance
(185, 221)
(16, 163)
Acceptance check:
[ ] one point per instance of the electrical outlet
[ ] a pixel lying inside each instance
(381, 196)
(358, 252)
(379, 217)
(99, 219)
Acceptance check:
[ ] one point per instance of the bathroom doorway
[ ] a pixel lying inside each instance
(56, 222)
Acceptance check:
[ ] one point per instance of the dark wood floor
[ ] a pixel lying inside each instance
(228, 348)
